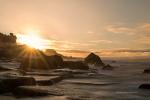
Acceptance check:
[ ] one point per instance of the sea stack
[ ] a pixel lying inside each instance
(93, 59)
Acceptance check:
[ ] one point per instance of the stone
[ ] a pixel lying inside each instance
(144, 86)
(49, 80)
(34, 91)
(41, 62)
(147, 70)
(93, 59)
(107, 67)
(54, 61)
(4, 69)
(8, 83)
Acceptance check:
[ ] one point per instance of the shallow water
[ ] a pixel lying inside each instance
(120, 84)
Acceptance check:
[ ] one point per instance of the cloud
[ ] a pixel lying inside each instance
(110, 53)
(144, 39)
(101, 41)
(129, 50)
(125, 53)
(146, 27)
(139, 32)
(67, 45)
(120, 29)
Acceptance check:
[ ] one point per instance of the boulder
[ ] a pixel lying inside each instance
(107, 67)
(75, 65)
(4, 69)
(147, 70)
(49, 81)
(41, 62)
(54, 61)
(8, 83)
(34, 91)
(50, 52)
(144, 86)
(93, 59)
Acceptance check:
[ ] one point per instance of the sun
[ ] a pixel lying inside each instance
(32, 40)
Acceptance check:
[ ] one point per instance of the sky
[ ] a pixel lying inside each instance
(77, 27)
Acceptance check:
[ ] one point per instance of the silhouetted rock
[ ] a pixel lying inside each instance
(50, 52)
(34, 91)
(75, 65)
(24, 91)
(11, 38)
(54, 61)
(4, 69)
(147, 70)
(8, 83)
(93, 59)
(50, 81)
(107, 67)
(144, 86)
(114, 61)
(41, 62)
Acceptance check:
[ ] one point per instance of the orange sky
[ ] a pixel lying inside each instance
(103, 26)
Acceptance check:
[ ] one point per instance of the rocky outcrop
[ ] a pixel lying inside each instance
(107, 67)
(93, 59)
(50, 81)
(34, 91)
(147, 70)
(8, 83)
(54, 61)
(4, 69)
(144, 86)
(75, 65)
(41, 62)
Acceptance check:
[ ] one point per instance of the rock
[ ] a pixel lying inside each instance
(24, 91)
(49, 81)
(113, 61)
(8, 83)
(50, 52)
(75, 65)
(107, 67)
(4, 69)
(93, 59)
(54, 61)
(144, 86)
(33, 91)
(147, 70)
(41, 62)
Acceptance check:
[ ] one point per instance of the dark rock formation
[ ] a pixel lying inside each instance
(50, 81)
(75, 65)
(50, 52)
(93, 59)
(24, 91)
(4, 69)
(34, 91)
(147, 70)
(40, 61)
(107, 67)
(54, 60)
(11, 38)
(144, 86)
(8, 83)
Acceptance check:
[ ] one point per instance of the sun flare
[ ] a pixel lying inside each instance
(33, 41)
